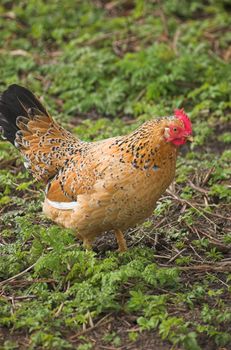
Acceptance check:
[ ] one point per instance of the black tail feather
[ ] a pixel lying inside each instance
(15, 102)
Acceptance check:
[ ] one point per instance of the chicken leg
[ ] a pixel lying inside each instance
(87, 243)
(121, 241)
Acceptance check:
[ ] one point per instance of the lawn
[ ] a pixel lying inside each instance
(102, 68)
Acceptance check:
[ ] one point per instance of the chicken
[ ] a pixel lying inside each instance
(94, 187)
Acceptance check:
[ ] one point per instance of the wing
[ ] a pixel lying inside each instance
(97, 171)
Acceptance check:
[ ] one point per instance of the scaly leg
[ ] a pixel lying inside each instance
(121, 240)
(87, 243)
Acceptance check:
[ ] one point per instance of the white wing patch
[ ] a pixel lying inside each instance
(62, 205)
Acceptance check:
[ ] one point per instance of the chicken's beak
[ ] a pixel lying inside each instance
(189, 138)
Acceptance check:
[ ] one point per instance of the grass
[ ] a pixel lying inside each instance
(102, 68)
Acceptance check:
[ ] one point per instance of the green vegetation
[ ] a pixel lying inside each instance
(102, 68)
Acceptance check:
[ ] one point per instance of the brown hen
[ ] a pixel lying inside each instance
(94, 187)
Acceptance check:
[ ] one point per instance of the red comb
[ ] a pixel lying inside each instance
(181, 115)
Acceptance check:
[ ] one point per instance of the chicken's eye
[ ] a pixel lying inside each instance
(175, 129)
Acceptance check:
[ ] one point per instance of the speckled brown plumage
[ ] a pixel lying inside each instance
(110, 185)
(115, 188)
